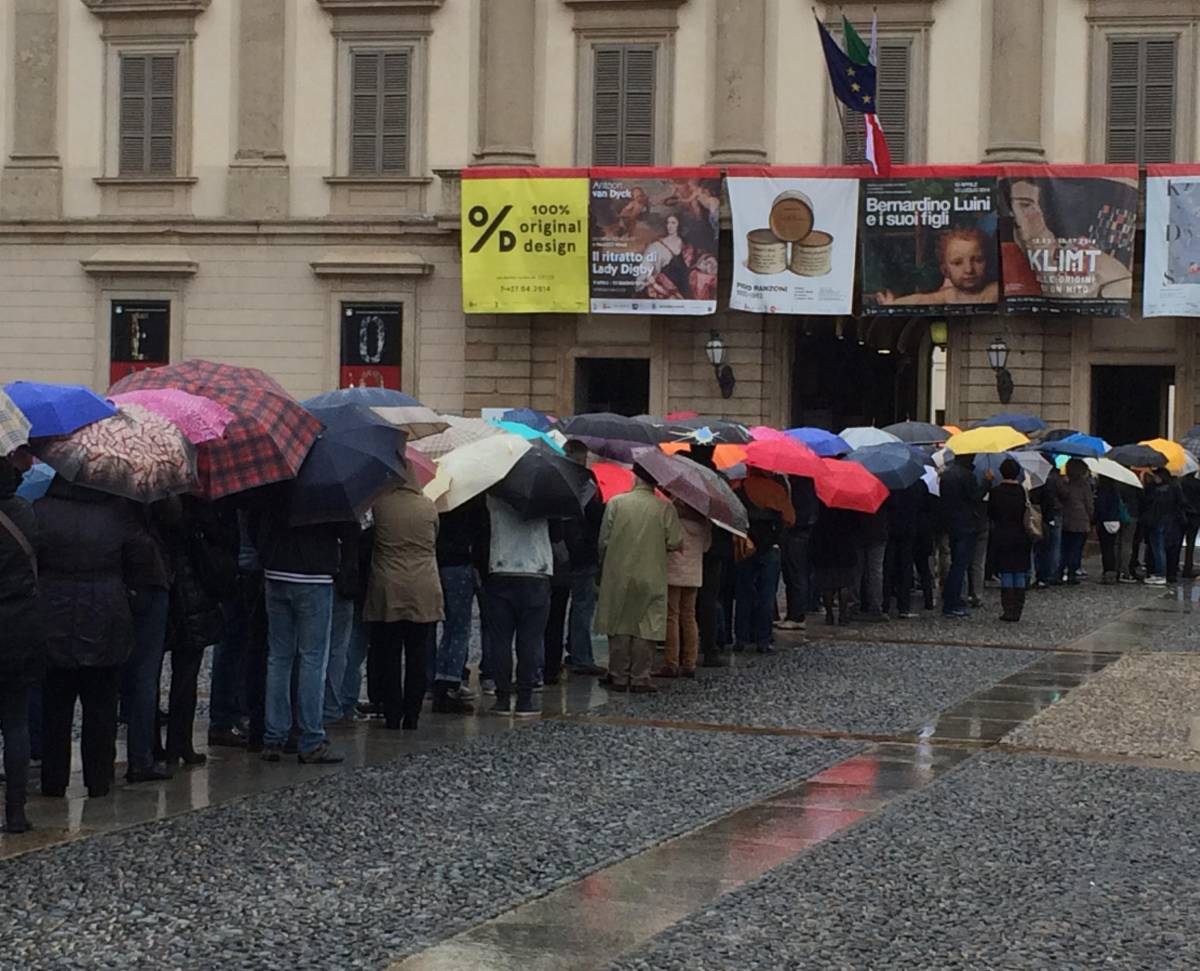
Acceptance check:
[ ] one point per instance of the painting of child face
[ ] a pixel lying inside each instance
(965, 265)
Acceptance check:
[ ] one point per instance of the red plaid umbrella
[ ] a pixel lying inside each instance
(268, 438)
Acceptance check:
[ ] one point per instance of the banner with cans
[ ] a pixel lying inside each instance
(1067, 238)
(1172, 284)
(929, 242)
(794, 235)
(653, 240)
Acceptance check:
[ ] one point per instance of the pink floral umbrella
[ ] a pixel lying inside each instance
(200, 419)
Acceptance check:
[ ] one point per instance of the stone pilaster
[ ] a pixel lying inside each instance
(31, 183)
(506, 96)
(258, 183)
(1015, 98)
(738, 105)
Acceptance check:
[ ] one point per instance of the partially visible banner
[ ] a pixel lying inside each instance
(1067, 238)
(653, 240)
(794, 235)
(524, 241)
(929, 242)
(1172, 282)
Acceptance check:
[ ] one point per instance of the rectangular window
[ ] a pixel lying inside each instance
(893, 74)
(147, 115)
(623, 104)
(380, 96)
(371, 334)
(140, 336)
(1141, 100)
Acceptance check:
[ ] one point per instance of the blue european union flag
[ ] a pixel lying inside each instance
(853, 84)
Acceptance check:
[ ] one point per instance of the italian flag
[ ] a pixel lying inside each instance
(876, 144)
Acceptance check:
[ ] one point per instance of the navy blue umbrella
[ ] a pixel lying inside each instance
(354, 460)
(367, 397)
(1025, 424)
(895, 464)
(529, 417)
(58, 409)
(1075, 449)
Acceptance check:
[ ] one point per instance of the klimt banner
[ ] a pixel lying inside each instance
(653, 241)
(524, 240)
(794, 235)
(929, 242)
(1172, 283)
(1067, 238)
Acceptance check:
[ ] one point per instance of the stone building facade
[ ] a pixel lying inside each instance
(255, 176)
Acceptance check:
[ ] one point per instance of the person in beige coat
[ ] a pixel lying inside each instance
(685, 573)
(404, 598)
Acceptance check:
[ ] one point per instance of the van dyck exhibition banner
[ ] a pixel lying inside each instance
(1172, 283)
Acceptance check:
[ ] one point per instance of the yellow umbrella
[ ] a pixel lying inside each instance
(1173, 452)
(985, 441)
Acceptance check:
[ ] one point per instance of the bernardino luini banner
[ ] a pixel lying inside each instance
(653, 240)
(929, 242)
(1067, 238)
(524, 240)
(1172, 283)
(794, 233)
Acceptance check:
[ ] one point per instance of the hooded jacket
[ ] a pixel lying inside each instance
(23, 645)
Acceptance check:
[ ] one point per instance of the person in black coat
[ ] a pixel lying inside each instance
(962, 494)
(903, 509)
(91, 547)
(23, 646)
(835, 559)
(1010, 543)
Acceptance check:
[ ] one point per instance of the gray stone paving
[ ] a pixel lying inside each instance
(841, 686)
(1142, 705)
(1007, 862)
(365, 866)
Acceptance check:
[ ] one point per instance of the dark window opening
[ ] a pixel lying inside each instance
(617, 384)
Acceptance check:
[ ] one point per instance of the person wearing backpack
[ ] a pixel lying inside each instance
(770, 511)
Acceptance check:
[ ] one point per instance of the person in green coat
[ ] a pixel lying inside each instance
(638, 531)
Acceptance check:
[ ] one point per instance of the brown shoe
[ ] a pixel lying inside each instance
(666, 671)
(643, 689)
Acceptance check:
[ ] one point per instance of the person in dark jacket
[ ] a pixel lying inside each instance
(1077, 517)
(769, 509)
(961, 495)
(872, 555)
(1190, 487)
(797, 568)
(835, 559)
(23, 646)
(456, 570)
(352, 591)
(903, 509)
(1161, 510)
(91, 548)
(1049, 551)
(582, 537)
(1108, 526)
(1010, 543)
(925, 543)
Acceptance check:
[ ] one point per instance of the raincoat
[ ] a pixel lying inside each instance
(637, 533)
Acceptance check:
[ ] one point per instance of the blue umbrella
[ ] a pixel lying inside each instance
(58, 409)
(528, 416)
(355, 459)
(1025, 424)
(1065, 446)
(35, 482)
(1100, 446)
(367, 397)
(527, 433)
(894, 464)
(826, 444)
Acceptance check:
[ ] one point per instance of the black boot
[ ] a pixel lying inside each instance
(444, 704)
(1007, 605)
(1018, 606)
(15, 791)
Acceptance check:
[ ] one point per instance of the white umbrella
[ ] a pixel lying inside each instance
(473, 469)
(931, 480)
(416, 420)
(1112, 470)
(866, 436)
(459, 432)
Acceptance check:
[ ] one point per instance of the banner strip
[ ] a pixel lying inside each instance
(639, 172)
(799, 172)
(530, 172)
(1068, 171)
(1166, 171)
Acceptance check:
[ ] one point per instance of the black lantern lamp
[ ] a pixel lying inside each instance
(997, 355)
(714, 349)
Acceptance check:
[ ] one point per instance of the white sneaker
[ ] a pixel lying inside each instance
(462, 693)
(487, 686)
(1156, 581)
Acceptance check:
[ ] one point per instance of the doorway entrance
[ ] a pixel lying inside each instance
(617, 384)
(1132, 403)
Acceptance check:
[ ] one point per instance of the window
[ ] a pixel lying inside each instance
(380, 99)
(1141, 100)
(146, 128)
(893, 84)
(624, 95)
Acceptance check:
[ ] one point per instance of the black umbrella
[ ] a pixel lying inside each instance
(543, 485)
(918, 432)
(1138, 457)
(709, 431)
(894, 464)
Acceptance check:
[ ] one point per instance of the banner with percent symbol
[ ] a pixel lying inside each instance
(524, 240)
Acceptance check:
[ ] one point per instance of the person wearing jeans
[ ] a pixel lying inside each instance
(582, 534)
(456, 535)
(139, 682)
(961, 495)
(797, 570)
(770, 511)
(579, 624)
(872, 553)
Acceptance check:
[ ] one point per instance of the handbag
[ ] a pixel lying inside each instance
(15, 532)
(743, 548)
(1035, 528)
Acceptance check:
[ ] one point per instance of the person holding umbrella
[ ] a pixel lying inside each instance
(582, 536)
(962, 492)
(638, 531)
(771, 513)
(717, 570)
(685, 574)
(1078, 512)
(1010, 543)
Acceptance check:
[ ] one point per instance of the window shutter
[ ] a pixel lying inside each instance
(379, 112)
(638, 107)
(161, 95)
(364, 113)
(132, 123)
(893, 73)
(1141, 100)
(1158, 102)
(624, 89)
(606, 106)
(394, 114)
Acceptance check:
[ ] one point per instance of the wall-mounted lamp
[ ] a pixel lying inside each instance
(714, 349)
(939, 333)
(997, 355)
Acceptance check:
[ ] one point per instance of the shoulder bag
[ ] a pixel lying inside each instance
(15, 532)
(1035, 528)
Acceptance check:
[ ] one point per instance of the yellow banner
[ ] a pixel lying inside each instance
(525, 241)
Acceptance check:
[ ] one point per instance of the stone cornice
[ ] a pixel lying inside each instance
(146, 8)
(379, 264)
(140, 261)
(617, 6)
(617, 15)
(380, 6)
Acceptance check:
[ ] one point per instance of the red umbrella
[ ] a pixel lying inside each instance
(613, 479)
(266, 442)
(785, 457)
(847, 485)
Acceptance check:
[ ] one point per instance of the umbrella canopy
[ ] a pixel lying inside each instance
(542, 485)
(356, 458)
(847, 485)
(529, 416)
(459, 432)
(529, 434)
(35, 482)
(709, 431)
(416, 421)
(786, 458)
(1026, 424)
(268, 438)
(367, 397)
(866, 436)
(613, 479)
(1074, 449)
(1032, 463)
(893, 464)
(724, 456)
(613, 436)
(823, 443)
(1058, 434)
(474, 468)
(57, 409)
(1098, 445)
(14, 426)
(987, 439)
(695, 486)
(1192, 444)
(918, 432)
(1111, 470)
(136, 454)
(762, 433)
(932, 481)
(200, 419)
(1174, 452)
(1138, 457)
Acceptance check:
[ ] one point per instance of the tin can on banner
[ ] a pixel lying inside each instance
(766, 252)
(812, 255)
(791, 215)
